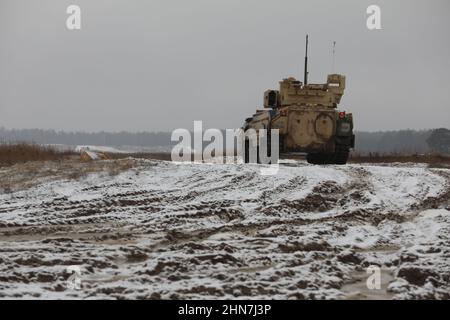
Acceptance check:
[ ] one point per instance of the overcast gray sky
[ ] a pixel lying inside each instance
(160, 64)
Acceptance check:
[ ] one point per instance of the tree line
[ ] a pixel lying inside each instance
(401, 141)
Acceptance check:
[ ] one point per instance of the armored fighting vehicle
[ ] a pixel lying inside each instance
(307, 118)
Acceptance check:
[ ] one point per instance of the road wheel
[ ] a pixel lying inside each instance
(317, 158)
(341, 154)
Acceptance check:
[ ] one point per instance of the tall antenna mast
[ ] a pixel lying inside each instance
(306, 62)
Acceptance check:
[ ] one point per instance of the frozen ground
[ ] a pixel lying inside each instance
(167, 230)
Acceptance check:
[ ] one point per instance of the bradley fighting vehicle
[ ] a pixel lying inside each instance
(307, 118)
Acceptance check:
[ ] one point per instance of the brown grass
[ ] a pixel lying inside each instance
(22, 176)
(12, 153)
(432, 159)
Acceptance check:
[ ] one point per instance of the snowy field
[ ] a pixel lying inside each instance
(165, 230)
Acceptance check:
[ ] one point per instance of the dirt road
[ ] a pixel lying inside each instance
(158, 229)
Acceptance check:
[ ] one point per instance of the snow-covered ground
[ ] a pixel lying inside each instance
(108, 149)
(168, 230)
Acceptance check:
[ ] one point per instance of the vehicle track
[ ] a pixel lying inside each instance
(161, 230)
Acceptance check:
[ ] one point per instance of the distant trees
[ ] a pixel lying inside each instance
(439, 141)
(142, 139)
(403, 141)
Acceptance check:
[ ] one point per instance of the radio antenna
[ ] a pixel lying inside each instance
(306, 63)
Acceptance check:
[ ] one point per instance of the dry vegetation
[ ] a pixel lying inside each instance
(432, 159)
(21, 153)
(22, 176)
(24, 152)
(25, 165)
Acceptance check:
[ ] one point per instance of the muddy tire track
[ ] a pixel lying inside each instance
(161, 230)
